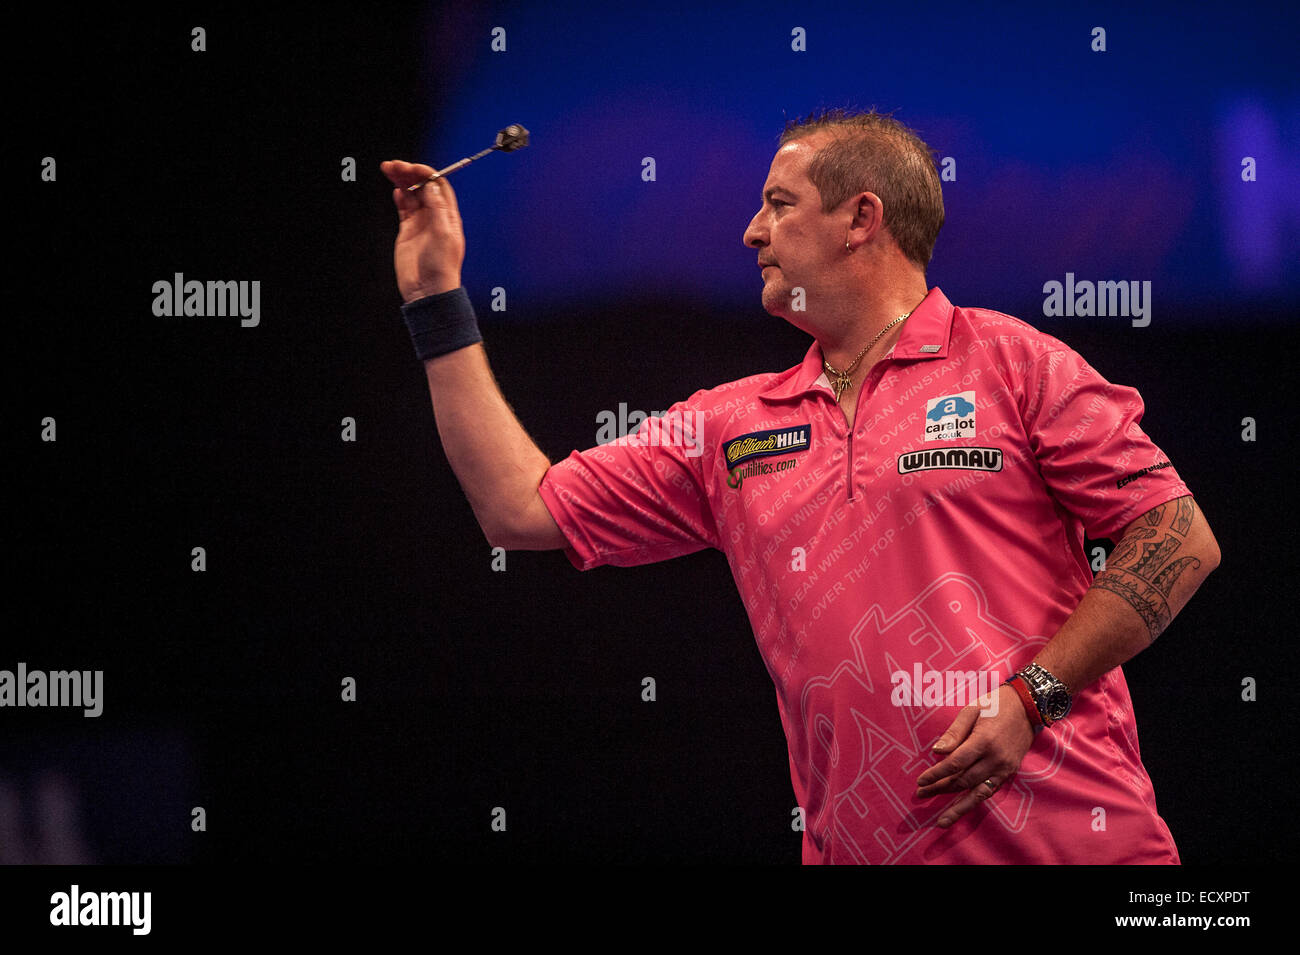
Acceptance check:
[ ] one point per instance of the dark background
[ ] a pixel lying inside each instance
(329, 559)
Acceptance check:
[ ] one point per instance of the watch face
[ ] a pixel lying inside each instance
(1050, 695)
(1056, 704)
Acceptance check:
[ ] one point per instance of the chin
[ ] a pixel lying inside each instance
(776, 302)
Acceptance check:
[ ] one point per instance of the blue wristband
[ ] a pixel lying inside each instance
(441, 323)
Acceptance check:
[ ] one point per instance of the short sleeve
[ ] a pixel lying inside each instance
(1085, 433)
(638, 499)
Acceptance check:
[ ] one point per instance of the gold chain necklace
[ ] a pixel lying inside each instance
(841, 380)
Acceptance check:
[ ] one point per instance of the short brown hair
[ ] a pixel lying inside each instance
(874, 152)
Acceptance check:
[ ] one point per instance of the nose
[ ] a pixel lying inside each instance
(755, 235)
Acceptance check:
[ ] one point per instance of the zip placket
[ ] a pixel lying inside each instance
(849, 455)
(872, 378)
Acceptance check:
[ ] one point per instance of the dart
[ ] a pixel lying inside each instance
(508, 140)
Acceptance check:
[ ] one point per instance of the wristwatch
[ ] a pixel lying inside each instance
(1051, 696)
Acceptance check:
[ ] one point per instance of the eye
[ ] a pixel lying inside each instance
(778, 202)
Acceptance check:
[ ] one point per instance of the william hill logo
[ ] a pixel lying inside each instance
(759, 444)
(972, 459)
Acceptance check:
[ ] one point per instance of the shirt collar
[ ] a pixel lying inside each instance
(925, 334)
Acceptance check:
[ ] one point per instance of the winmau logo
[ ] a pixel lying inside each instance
(972, 459)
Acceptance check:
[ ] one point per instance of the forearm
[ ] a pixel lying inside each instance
(497, 463)
(1150, 576)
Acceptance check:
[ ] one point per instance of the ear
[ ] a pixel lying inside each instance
(868, 216)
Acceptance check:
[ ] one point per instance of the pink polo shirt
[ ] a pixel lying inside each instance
(893, 572)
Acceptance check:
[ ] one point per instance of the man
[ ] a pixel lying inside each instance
(903, 513)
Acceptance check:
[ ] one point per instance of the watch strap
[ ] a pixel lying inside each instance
(1017, 683)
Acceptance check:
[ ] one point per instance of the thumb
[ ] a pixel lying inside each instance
(406, 202)
(448, 197)
(958, 730)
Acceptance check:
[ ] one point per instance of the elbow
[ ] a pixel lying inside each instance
(1208, 554)
(1212, 556)
(494, 532)
(497, 537)
(1206, 546)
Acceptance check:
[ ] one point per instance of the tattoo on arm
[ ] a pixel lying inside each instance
(1127, 548)
(1143, 569)
(1153, 610)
